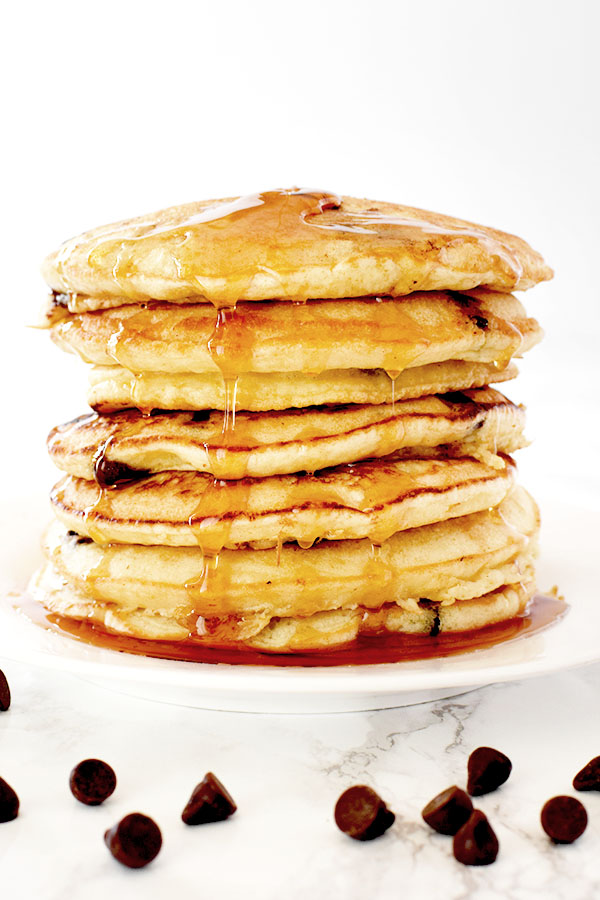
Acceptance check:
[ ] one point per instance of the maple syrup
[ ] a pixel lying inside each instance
(542, 612)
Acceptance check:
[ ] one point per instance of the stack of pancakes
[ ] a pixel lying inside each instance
(294, 441)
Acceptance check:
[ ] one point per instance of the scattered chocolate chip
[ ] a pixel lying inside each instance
(488, 769)
(480, 321)
(134, 841)
(9, 802)
(449, 811)
(92, 782)
(476, 844)
(4, 692)
(210, 802)
(588, 779)
(361, 813)
(564, 819)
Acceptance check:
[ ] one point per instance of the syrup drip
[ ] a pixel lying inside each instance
(393, 376)
(543, 612)
(230, 347)
(100, 509)
(123, 339)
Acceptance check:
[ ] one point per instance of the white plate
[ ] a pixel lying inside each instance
(569, 542)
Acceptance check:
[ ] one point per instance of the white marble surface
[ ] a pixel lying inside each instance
(286, 773)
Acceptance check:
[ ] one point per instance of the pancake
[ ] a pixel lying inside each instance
(289, 245)
(314, 337)
(289, 634)
(162, 592)
(114, 388)
(126, 445)
(372, 499)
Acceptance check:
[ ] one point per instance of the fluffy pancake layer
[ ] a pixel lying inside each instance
(114, 388)
(276, 443)
(372, 499)
(172, 592)
(319, 336)
(286, 245)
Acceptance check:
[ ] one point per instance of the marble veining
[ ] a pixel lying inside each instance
(285, 773)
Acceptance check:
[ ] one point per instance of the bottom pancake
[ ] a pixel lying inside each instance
(322, 630)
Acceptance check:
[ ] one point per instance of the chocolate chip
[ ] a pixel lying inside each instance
(589, 777)
(201, 415)
(449, 811)
(134, 841)
(78, 538)
(110, 473)
(455, 397)
(459, 298)
(480, 321)
(92, 781)
(361, 813)
(210, 802)
(4, 692)
(488, 769)
(436, 627)
(9, 802)
(476, 844)
(564, 819)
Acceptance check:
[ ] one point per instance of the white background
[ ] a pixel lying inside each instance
(488, 111)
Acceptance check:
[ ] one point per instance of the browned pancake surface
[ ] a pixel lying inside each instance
(127, 445)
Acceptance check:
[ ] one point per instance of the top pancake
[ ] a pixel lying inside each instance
(287, 245)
